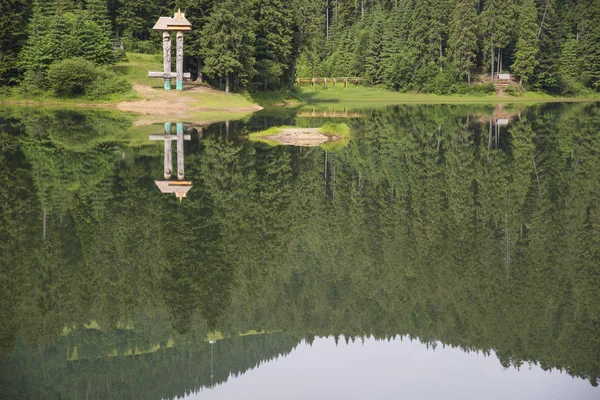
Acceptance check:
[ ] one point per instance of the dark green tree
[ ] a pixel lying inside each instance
(13, 17)
(589, 32)
(228, 43)
(526, 52)
(273, 45)
(462, 40)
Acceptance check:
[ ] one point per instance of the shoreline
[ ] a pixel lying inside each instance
(151, 101)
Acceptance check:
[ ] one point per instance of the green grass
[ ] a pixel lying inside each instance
(368, 97)
(340, 130)
(261, 136)
(274, 99)
(274, 130)
(137, 66)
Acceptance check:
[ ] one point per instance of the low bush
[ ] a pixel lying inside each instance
(513, 90)
(79, 77)
(482, 89)
(71, 77)
(34, 83)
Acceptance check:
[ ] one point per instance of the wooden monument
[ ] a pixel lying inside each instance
(179, 187)
(178, 24)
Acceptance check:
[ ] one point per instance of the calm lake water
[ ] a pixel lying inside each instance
(442, 252)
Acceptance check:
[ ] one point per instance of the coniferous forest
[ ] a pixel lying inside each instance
(437, 46)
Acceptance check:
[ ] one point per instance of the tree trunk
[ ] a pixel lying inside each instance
(199, 66)
(492, 63)
(543, 18)
(226, 83)
(362, 9)
(441, 63)
(327, 21)
(500, 61)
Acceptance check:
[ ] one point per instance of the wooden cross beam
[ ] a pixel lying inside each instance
(168, 75)
(168, 138)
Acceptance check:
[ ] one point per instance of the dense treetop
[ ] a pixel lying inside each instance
(432, 45)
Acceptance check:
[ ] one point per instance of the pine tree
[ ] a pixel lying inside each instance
(12, 35)
(97, 12)
(463, 38)
(273, 45)
(197, 12)
(590, 42)
(41, 48)
(570, 59)
(527, 45)
(93, 42)
(228, 43)
(374, 67)
(396, 53)
(497, 24)
(550, 37)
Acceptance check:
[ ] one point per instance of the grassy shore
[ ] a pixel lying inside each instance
(199, 102)
(354, 97)
(195, 96)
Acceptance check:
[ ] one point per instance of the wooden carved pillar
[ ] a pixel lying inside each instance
(180, 171)
(168, 151)
(179, 62)
(167, 57)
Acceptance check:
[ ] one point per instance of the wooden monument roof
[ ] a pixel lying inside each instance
(174, 23)
(180, 188)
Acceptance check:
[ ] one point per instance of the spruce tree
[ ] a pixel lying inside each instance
(197, 12)
(527, 45)
(97, 11)
(273, 45)
(590, 42)
(41, 48)
(463, 38)
(12, 35)
(228, 43)
(374, 67)
(550, 37)
(497, 24)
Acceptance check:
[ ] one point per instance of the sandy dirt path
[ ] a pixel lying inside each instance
(307, 137)
(173, 103)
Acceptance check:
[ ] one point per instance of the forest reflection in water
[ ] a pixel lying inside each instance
(431, 223)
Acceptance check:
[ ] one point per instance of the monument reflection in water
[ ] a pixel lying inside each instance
(179, 187)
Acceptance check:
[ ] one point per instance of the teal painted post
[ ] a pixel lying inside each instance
(167, 128)
(179, 85)
(167, 84)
